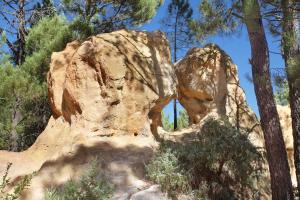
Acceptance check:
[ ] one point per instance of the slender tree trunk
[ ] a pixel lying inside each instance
(175, 60)
(15, 118)
(281, 184)
(21, 33)
(290, 47)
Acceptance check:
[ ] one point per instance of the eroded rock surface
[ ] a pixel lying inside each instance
(105, 93)
(111, 82)
(208, 82)
(106, 96)
(286, 125)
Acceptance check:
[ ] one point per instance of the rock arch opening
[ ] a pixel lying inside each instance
(167, 116)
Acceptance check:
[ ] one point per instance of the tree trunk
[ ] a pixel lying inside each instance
(290, 47)
(281, 184)
(15, 118)
(21, 33)
(175, 114)
(175, 60)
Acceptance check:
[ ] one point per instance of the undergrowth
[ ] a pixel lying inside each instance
(7, 192)
(221, 163)
(91, 186)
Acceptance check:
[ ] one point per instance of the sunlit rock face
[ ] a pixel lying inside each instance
(106, 93)
(208, 82)
(286, 125)
(112, 81)
(106, 96)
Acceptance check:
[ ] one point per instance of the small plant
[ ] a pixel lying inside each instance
(18, 189)
(165, 170)
(182, 121)
(91, 186)
(52, 194)
(220, 163)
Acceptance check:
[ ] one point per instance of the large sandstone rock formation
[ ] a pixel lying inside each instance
(111, 82)
(208, 82)
(106, 96)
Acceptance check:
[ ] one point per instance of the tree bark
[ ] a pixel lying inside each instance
(290, 48)
(21, 33)
(281, 184)
(15, 119)
(175, 60)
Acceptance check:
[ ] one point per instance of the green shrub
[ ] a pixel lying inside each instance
(219, 163)
(165, 170)
(91, 186)
(21, 185)
(182, 121)
(52, 194)
(24, 101)
(166, 124)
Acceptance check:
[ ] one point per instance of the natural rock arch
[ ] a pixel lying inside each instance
(108, 92)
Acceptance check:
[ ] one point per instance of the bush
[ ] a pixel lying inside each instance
(220, 163)
(165, 170)
(182, 121)
(17, 190)
(91, 186)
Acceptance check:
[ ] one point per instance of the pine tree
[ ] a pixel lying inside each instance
(23, 90)
(291, 50)
(183, 119)
(18, 15)
(276, 153)
(220, 16)
(92, 17)
(15, 84)
(51, 34)
(282, 17)
(176, 25)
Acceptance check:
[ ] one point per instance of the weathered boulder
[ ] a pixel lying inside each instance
(208, 82)
(105, 93)
(111, 82)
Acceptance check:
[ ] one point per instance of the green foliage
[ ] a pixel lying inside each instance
(216, 16)
(51, 34)
(22, 185)
(281, 91)
(36, 112)
(165, 170)
(220, 163)
(166, 124)
(176, 26)
(91, 186)
(294, 70)
(183, 119)
(92, 17)
(41, 9)
(142, 10)
(23, 90)
(14, 88)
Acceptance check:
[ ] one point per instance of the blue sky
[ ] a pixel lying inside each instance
(236, 46)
